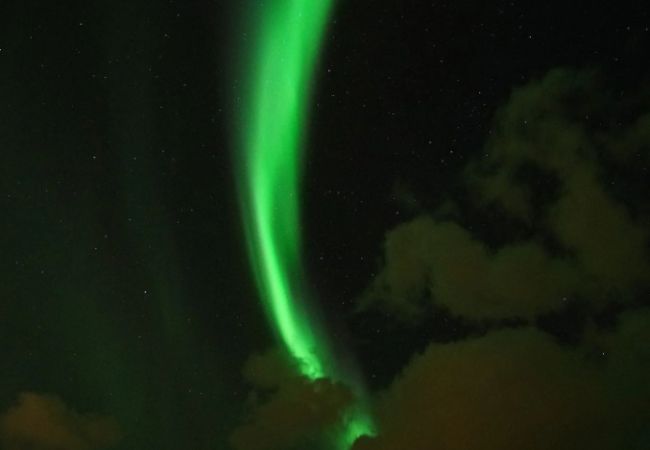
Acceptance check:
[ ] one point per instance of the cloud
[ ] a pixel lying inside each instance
(270, 370)
(543, 123)
(544, 167)
(296, 411)
(610, 247)
(443, 261)
(519, 389)
(44, 422)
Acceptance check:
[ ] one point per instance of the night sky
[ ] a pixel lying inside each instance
(475, 221)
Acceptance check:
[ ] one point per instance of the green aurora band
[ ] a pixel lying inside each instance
(275, 106)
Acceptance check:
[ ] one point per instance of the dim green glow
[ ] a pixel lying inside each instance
(275, 105)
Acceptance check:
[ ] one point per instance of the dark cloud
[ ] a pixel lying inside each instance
(295, 411)
(270, 370)
(44, 422)
(520, 389)
(544, 166)
(442, 261)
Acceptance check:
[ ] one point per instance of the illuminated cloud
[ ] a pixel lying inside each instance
(544, 126)
(543, 167)
(442, 261)
(519, 389)
(43, 422)
(295, 410)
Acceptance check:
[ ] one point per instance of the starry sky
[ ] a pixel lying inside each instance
(475, 225)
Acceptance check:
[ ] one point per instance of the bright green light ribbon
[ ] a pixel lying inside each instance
(275, 110)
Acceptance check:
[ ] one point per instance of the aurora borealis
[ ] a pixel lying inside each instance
(324, 225)
(284, 51)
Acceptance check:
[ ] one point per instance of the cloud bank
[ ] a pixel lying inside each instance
(519, 389)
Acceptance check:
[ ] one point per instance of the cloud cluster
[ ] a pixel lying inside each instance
(519, 389)
(547, 168)
(296, 411)
(44, 422)
(442, 261)
(543, 167)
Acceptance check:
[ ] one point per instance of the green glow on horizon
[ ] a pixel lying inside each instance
(275, 108)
